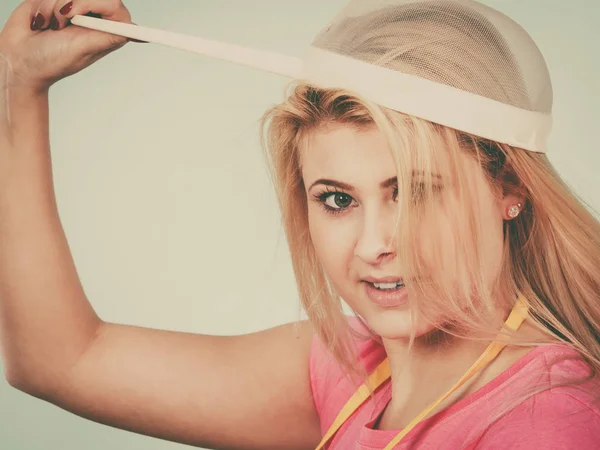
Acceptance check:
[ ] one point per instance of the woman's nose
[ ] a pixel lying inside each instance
(375, 242)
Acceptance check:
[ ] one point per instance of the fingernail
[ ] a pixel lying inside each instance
(54, 23)
(38, 21)
(66, 9)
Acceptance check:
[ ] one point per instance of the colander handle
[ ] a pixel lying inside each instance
(265, 61)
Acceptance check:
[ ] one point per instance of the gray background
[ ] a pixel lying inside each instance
(164, 195)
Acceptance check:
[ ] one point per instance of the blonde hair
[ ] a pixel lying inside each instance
(551, 250)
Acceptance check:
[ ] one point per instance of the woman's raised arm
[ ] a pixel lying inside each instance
(250, 392)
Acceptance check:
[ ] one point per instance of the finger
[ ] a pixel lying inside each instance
(112, 10)
(46, 14)
(105, 9)
(60, 9)
(108, 9)
(40, 15)
(46, 18)
(108, 51)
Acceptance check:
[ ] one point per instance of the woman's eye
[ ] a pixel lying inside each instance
(334, 202)
(338, 200)
(419, 191)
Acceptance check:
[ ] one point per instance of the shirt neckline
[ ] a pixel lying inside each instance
(369, 437)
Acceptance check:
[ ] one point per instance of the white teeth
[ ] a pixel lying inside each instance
(388, 285)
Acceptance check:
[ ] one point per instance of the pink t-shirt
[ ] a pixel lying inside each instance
(559, 418)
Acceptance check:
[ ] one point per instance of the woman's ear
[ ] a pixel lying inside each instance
(512, 205)
(514, 194)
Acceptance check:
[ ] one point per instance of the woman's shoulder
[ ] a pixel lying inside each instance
(368, 351)
(565, 372)
(565, 417)
(329, 379)
(573, 382)
(564, 413)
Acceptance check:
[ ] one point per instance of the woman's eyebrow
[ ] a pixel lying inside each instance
(333, 183)
(384, 184)
(389, 182)
(416, 173)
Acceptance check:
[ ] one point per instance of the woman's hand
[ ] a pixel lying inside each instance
(39, 46)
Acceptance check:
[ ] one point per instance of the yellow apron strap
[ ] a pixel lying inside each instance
(382, 373)
(514, 321)
(376, 379)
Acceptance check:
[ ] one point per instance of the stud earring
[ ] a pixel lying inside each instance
(514, 210)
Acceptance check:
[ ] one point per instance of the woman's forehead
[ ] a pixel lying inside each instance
(338, 141)
(347, 153)
(363, 154)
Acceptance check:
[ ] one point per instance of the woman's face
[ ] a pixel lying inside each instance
(349, 177)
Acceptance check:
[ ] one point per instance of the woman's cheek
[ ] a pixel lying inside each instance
(436, 240)
(324, 239)
(333, 239)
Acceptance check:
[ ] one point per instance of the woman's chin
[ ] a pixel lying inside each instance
(394, 324)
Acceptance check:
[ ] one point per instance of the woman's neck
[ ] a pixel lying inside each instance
(435, 364)
(424, 375)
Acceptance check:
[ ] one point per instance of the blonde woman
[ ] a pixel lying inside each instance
(472, 268)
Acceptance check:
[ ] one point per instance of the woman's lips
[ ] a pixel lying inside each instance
(386, 298)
